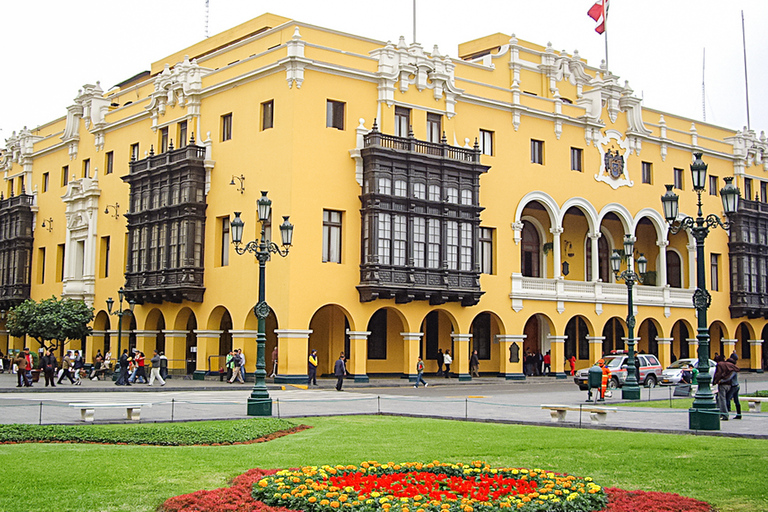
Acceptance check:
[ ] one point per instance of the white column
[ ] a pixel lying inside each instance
(595, 263)
(691, 265)
(556, 232)
(661, 272)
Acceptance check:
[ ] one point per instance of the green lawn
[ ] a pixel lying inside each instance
(726, 472)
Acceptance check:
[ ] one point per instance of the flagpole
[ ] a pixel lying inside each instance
(746, 81)
(605, 33)
(414, 21)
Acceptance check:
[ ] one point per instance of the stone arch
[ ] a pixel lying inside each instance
(155, 321)
(614, 332)
(648, 331)
(385, 345)
(621, 212)
(186, 321)
(581, 204)
(717, 333)
(541, 257)
(485, 327)
(546, 201)
(682, 331)
(576, 343)
(437, 328)
(330, 325)
(578, 220)
(537, 330)
(744, 333)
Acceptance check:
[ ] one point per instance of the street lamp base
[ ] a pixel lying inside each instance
(630, 393)
(259, 407)
(703, 419)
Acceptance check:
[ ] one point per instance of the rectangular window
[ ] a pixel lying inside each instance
(452, 244)
(385, 186)
(763, 191)
(402, 121)
(399, 239)
(224, 253)
(466, 197)
(135, 151)
(647, 172)
(715, 272)
(434, 193)
(41, 265)
(678, 178)
(433, 243)
(331, 236)
(109, 162)
(486, 250)
(748, 189)
(577, 155)
(45, 181)
(452, 195)
(163, 139)
(181, 134)
(401, 188)
(486, 142)
(267, 115)
(419, 191)
(334, 114)
(60, 263)
(385, 238)
(64, 175)
(713, 185)
(434, 127)
(87, 168)
(537, 152)
(465, 247)
(226, 127)
(105, 253)
(419, 241)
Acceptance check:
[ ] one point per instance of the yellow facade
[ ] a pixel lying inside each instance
(543, 217)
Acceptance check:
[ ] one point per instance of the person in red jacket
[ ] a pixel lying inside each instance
(572, 362)
(606, 377)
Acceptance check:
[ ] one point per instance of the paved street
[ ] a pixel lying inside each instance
(484, 399)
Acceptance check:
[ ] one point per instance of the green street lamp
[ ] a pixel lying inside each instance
(703, 413)
(259, 403)
(631, 388)
(119, 313)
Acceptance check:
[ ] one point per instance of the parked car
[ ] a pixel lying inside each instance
(674, 372)
(650, 371)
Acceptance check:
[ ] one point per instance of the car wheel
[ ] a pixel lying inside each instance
(650, 381)
(613, 383)
(583, 388)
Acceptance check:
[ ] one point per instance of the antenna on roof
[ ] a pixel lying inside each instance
(746, 81)
(206, 19)
(703, 91)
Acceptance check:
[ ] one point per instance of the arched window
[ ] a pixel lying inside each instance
(530, 251)
(674, 270)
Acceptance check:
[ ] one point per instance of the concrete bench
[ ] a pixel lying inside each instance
(754, 402)
(598, 415)
(133, 411)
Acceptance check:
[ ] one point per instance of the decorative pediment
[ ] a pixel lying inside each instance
(178, 85)
(18, 149)
(408, 65)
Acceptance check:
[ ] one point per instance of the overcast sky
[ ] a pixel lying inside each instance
(51, 48)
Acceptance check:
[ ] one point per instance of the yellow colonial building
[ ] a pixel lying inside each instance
(461, 204)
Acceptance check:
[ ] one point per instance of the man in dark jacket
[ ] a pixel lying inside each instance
(724, 372)
(340, 370)
(440, 359)
(48, 364)
(123, 379)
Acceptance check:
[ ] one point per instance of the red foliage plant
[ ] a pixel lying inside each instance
(238, 499)
(620, 500)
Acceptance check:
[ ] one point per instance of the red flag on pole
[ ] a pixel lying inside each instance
(598, 12)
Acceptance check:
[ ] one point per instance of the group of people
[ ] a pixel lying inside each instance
(727, 380)
(339, 370)
(132, 368)
(72, 365)
(536, 364)
(235, 363)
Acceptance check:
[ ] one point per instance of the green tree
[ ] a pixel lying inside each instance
(52, 322)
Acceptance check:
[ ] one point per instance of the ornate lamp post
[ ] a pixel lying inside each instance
(119, 313)
(259, 403)
(702, 415)
(631, 388)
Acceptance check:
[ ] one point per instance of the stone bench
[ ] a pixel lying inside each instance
(598, 415)
(133, 411)
(754, 402)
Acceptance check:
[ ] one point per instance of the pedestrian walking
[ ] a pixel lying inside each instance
(420, 372)
(447, 360)
(440, 360)
(547, 363)
(122, 380)
(312, 369)
(66, 364)
(21, 371)
(30, 365)
(163, 365)
(228, 364)
(340, 370)
(572, 362)
(154, 372)
(242, 363)
(274, 362)
(474, 364)
(236, 365)
(140, 363)
(77, 366)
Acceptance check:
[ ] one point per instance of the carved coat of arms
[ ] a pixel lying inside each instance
(613, 168)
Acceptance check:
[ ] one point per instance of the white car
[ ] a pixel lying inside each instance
(674, 372)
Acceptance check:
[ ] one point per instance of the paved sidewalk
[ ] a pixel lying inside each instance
(483, 399)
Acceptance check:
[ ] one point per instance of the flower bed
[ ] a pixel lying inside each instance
(238, 498)
(430, 487)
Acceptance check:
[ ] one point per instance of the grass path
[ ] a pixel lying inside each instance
(729, 473)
